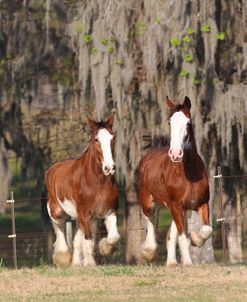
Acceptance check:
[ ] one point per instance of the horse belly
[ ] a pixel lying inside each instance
(69, 207)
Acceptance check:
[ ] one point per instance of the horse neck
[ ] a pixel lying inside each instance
(93, 166)
(191, 152)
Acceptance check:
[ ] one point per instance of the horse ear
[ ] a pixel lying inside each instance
(91, 122)
(110, 121)
(187, 103)
(169, 103)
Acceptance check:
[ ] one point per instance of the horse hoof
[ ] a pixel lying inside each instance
(88, 262)
(149, 254)
(105, 248)
(62, 258)
(171, 263)
(196, 239)
(187, 263)
(206, 231)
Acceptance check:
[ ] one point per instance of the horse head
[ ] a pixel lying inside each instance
(102, 139)
(180, 125)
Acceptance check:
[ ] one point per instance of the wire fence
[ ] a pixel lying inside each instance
(229, 239)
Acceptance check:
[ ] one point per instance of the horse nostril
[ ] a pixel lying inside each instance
(170, 152)
(113, 167)
(180, 152)
(106, 169)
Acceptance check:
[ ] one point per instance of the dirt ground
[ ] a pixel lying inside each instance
(126, 283)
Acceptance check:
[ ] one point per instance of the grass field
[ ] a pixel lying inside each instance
(126, 283)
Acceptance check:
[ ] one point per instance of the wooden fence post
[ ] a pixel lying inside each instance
(222, 218)
(13, 235)
(69, 234)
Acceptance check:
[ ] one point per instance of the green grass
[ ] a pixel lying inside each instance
(126, 283)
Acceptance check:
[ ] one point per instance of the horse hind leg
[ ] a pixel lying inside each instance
(61, 254)
(149, 246)
(171, 242)
(107, 244)
(199, 238)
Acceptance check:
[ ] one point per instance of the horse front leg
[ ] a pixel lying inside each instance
(83, 246)
(199, 238)
(178, 215)
(107, 244)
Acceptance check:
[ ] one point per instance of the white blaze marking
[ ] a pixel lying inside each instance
(178, 124)
(105, 138)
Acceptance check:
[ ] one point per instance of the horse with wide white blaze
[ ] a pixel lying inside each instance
(85, 189)
(175, 177)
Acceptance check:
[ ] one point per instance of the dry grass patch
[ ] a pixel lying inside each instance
(126, 283)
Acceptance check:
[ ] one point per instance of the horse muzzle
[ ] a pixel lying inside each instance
(176, 156)
(109, 170)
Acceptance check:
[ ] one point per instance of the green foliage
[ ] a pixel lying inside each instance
(118, 270)
(94, 50)
(175, 42)
(220, 36)
(184, 74)
(191, 31)
(88, 39)
(110, 49)
(157, 20)
(141, 24)
(188, 58)
(140, 28)
(142, 283)
(105, 42)
(196, 81)
(205, 28)
(110, 43)
(186, 39)
(79, 28)
(112, 39)
(118, 62)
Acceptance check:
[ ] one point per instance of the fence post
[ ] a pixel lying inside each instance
(13, 235)
(222, 218)
(69, 234)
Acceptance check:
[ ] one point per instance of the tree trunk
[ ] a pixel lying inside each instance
(5, 177)
(134, 225)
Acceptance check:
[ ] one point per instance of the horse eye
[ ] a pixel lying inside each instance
(96, 140)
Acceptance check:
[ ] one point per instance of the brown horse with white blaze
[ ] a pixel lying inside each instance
(84, 189)
(175, 177)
